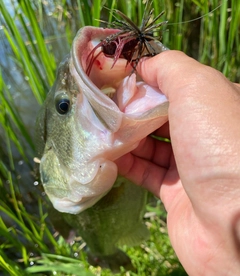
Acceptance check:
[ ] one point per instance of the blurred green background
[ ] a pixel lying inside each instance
(34, 37)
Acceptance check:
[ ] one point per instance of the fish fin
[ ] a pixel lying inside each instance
(60, 225)
(114, 261)
(136, 237)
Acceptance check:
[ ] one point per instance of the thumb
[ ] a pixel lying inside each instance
(170, 71)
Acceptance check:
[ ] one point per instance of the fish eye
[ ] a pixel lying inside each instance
(62, 103)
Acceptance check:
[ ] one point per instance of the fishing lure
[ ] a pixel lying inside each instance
(131, 42)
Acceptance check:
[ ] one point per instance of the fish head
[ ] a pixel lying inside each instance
(89, 120)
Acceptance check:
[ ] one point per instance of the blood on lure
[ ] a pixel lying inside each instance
(131, 42)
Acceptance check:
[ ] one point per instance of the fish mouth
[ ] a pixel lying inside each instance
(114, 83)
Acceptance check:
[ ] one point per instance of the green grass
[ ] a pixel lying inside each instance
(29, 35)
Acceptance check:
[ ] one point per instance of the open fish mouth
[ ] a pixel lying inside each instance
(114, 77)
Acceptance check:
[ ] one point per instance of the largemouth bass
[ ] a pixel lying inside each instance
(81, 131)
(94, 114)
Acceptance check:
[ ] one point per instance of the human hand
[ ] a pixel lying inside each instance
(197, 176)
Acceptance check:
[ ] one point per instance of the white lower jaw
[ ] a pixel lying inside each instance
(65, 205)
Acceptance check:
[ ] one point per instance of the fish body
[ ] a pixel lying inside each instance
(115, 220)
(81, 131)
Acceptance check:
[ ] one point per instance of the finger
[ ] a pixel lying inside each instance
(142, 172)
(163, 131)
(158, 152)
(164, 71)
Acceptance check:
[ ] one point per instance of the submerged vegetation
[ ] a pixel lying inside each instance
(35, 36)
